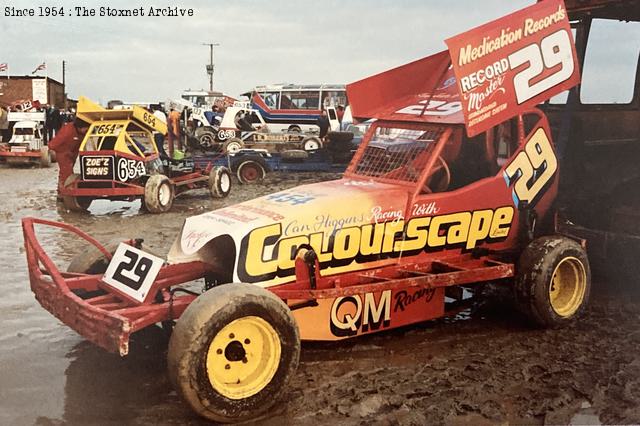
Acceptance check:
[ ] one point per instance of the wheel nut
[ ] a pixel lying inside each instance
(227, 367)
(247, 341)
(244, 360)
(231, 336)
(219, 351)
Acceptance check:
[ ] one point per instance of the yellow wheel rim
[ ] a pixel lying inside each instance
(568, 286)
(243, 357)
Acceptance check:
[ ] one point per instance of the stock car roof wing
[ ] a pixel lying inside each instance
(489, 74)
(90, 111)
(411, 92)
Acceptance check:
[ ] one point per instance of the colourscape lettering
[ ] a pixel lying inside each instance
(268, 252)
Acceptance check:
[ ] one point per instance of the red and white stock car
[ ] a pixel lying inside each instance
(452, 186)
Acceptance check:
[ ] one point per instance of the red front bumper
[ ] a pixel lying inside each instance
(106, 320)
(25, 154)
(103, 189)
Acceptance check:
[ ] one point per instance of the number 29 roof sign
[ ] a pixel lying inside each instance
(490, 73)
(513, 63)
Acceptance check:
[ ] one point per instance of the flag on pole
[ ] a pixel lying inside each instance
(4, 67)
(42, 66)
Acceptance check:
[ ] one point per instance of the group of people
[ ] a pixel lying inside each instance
(54, 119)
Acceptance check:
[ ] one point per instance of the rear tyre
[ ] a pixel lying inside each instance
(72, 203)
(250, 172)
(553, 281)
(232, 146)
(219, 182)
(158, 194)
(45, 158)
(233, 351)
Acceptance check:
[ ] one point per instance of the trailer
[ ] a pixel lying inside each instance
(252, 165)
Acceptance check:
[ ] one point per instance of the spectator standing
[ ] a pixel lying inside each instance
(47, 123)
(56, 120)
(174, 130)
(66, 145)
(340, 113)
(323, 123)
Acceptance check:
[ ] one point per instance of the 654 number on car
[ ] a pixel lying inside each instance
(128, 169)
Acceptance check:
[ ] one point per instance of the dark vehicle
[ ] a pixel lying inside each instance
(599, 140)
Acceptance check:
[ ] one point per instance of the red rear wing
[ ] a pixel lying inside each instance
(423, 90)
(490, 74)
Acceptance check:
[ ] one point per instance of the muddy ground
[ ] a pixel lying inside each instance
(483, 367)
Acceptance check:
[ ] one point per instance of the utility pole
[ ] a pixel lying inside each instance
(64, 86)
(210, 66)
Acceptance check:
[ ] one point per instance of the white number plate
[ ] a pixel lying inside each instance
(128, 169)
(132, 271)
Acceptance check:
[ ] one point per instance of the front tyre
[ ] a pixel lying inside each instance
(233, 351)
(553, 281)
(158, 194)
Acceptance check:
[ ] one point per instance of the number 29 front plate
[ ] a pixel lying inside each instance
(131, 272)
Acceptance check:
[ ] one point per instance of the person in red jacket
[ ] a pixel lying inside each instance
(173, 122)
(66, 144)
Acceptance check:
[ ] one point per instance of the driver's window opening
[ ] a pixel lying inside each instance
(92, 143)
(108, 143)
(143, 141)
(398, 154)
(467, 160)
(505, 142)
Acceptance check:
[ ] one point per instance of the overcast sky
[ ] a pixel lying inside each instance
(261, 42)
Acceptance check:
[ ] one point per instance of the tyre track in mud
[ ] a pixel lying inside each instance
(484, 367)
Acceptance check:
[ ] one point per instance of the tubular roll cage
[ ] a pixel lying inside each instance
(108, 319)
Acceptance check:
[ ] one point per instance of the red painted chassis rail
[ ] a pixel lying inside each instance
(32, 154)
